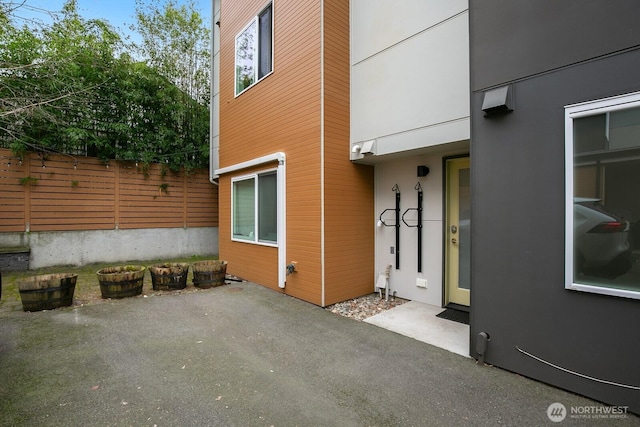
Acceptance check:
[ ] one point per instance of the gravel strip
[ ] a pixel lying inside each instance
(364, 307)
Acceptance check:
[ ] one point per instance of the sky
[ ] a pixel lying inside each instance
(119, 13)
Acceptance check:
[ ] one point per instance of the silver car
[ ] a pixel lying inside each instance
(601, 240)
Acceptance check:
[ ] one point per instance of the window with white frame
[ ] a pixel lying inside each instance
(254, 50)
(602, 141)
(255, 208)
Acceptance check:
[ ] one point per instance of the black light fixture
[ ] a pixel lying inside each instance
(499, 100)
(423, 170)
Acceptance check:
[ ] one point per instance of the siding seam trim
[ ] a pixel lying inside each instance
(429, 126)
(556, 69)
(399, 42)
(322, 189)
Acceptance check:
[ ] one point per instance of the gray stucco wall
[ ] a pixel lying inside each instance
(512, 39)
(518, 294)
(85, 247)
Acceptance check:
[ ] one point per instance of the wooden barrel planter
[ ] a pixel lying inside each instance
(170, 276)
(208, 274)
(121, 282)
(47, 291)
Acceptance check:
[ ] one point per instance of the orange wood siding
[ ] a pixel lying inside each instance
(65, 198)
(160, 196)
(349, 199)
(283, 112)
(279, 113)
(13, 195)
(248, 261)
(201, 203)
(83, 194)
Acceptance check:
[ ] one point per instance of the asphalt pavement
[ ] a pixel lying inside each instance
(244, 355)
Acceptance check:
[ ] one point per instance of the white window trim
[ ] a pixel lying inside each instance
(256, 58)
(615, 103)
(255, 176)
(235, 56)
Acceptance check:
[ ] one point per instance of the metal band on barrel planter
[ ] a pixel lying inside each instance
(121, 282)
(208, 274)
(48, 291)
(169, 276)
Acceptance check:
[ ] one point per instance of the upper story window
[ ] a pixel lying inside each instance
(254, 50)
(602, 141)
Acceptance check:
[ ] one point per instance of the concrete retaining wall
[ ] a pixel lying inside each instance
(85, 247)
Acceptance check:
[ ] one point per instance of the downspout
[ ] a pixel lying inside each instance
(282, 222)
(214, 121)
(282, 204)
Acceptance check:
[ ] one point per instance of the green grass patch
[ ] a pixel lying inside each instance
(87, 286)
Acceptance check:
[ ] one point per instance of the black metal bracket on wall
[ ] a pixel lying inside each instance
(396, 225)
(418, 187)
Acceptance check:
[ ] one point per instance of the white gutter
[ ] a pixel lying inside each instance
(282, 204)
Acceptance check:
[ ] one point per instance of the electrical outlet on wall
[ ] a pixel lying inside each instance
(422, 283)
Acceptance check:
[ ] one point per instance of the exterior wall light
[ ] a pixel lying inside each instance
(498, 101)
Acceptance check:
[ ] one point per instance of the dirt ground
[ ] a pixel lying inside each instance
(87, 289)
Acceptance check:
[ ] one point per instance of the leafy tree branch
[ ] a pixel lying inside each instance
(73, 87)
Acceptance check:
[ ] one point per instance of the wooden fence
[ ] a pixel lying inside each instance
(63, 193)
